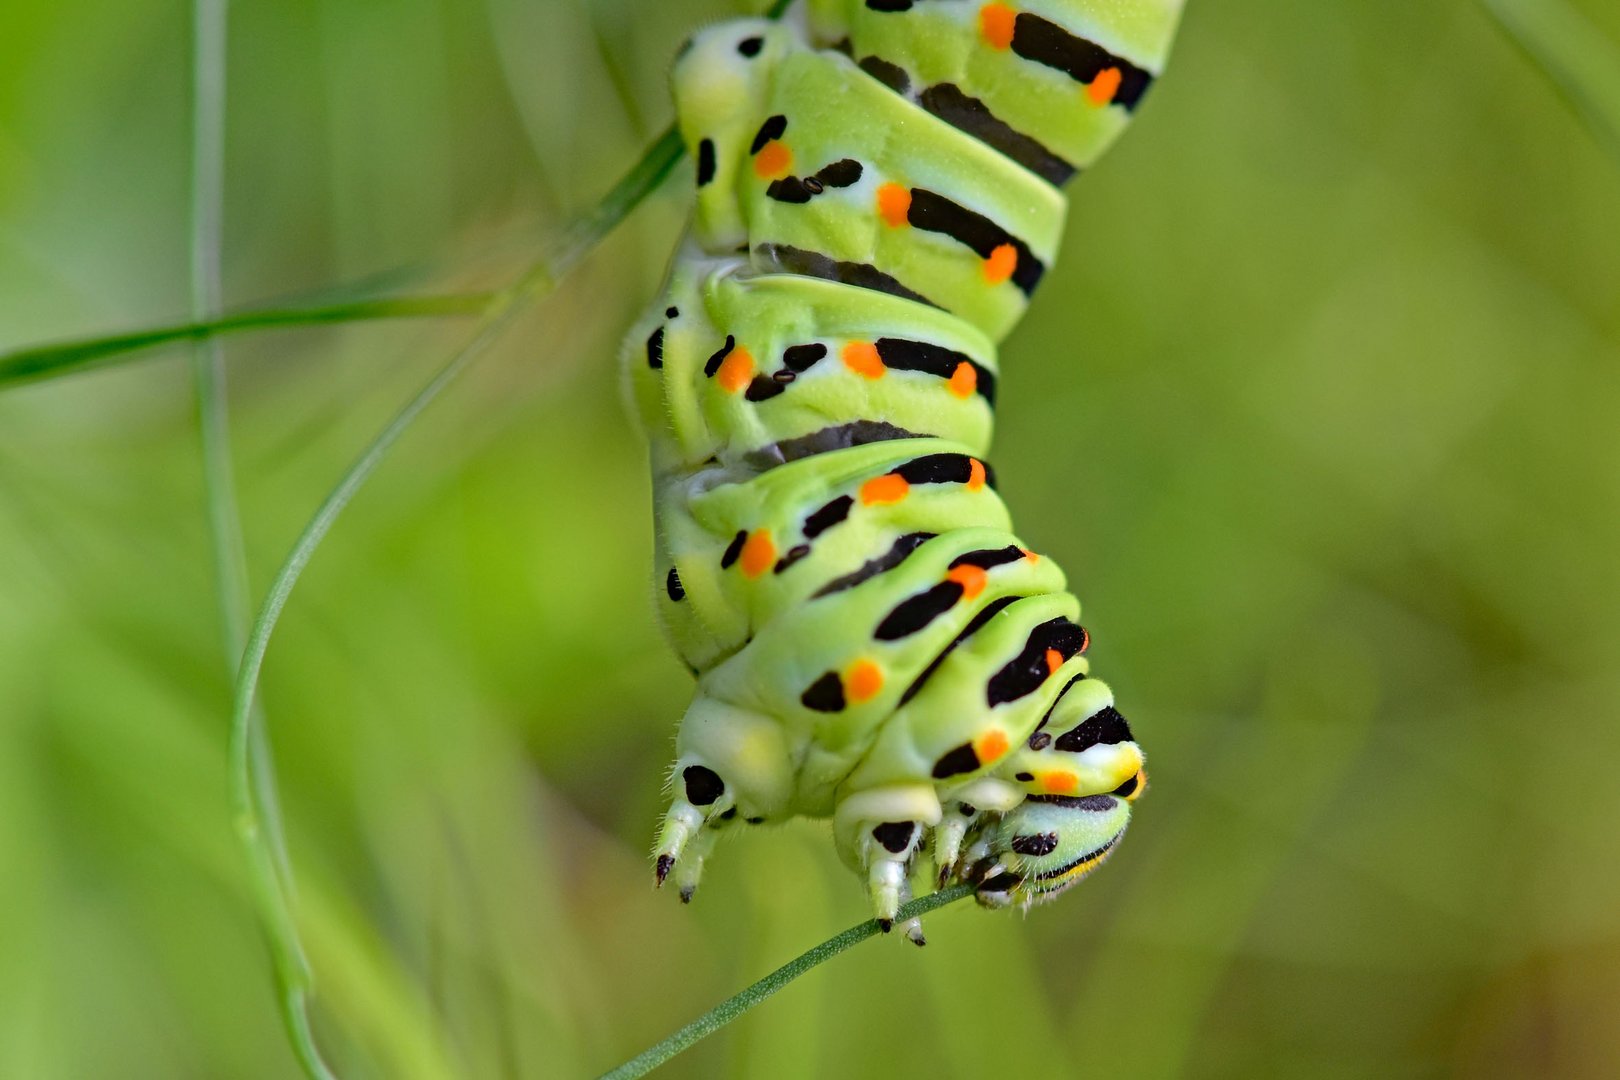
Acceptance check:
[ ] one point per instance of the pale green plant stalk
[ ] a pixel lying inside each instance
(209, 47)
(1580, 62)
(740, 1002)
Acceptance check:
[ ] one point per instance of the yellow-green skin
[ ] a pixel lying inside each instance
(817, 382)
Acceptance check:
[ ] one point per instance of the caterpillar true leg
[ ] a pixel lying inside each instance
(877, 199)
(731, 762)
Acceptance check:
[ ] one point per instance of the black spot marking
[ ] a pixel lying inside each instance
(916, 612)
(933, 212)
(703, 785)
(794, 555)
(988, 612)
(774, 128)
(755, 820)
(855, 433)
(972, 116)
(897, 554)
(1039, 844)
(673, 586)
(1045, 42)
(714, 362)
(1096, 804)
(1127, 789)
(734, 549)
(763, 388)
(1004, 882)
(792, 260)
(889, 5)
(729, 814)
(801, 358)
(902, 355)
(827, 516)
(655, 349)
(672, 313)
(1025, 673)
(957, 761)
(1106, 726)
(943, 469)
(826, 694)
(1024, 777)
(750, 47)
(891, 75)
(989, 558)
(705, 163)
(1040, 740)
(789, 189)
(842, 173)
(895, 836)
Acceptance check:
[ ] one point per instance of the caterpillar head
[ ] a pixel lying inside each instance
(1046, 844)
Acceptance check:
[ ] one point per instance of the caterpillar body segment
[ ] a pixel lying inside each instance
(873, 642)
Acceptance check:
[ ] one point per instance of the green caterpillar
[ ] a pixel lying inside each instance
(877, 199)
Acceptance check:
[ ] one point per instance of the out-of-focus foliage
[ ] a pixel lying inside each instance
(1321, 408)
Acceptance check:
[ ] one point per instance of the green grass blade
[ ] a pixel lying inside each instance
(35, 362)
(1575, 57)
(739, 1003)
(229, 556)
(252, 796)
(207, 356)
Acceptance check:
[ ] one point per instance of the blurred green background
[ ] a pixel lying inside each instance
(1321, 410)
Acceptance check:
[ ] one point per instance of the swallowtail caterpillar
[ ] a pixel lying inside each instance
(877, 198)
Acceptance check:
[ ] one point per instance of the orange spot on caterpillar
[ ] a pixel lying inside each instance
(1031, 556)
(1054, 659)
(862, 358)
(885, 489)
(773, 161)
(996, 25)
(990, 746)
(971, 578)
(1060, 783)
(975, 474)
(1000, 265)
(736, 370)
(758, 553)
(1102, 89)
(863, 681)
(964, 380)
(894, 203)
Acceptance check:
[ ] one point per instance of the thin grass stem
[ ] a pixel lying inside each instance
(739, 1003)
(35, 362)
(252, 793)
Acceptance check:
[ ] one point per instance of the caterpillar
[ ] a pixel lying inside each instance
(878, 195)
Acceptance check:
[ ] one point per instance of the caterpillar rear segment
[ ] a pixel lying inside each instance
(872, 641)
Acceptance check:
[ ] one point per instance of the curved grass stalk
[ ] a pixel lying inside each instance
(252, 795)
(739, 1003)
(1582, 65)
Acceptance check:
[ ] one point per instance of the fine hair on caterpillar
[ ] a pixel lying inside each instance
(877, 201)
